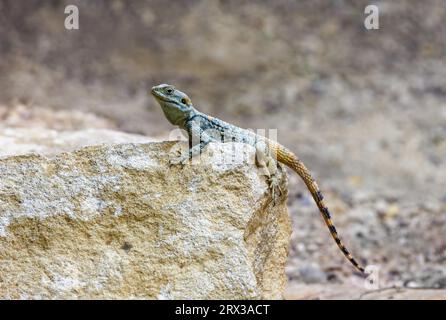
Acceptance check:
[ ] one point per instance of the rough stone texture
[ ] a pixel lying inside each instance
(18, 141)
(114, 221)
(21, 115)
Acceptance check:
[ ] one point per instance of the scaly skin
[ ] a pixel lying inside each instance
(202, 129)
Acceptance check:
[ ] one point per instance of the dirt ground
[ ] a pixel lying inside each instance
(364, 109)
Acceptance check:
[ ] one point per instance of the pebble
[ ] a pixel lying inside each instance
(312, 274)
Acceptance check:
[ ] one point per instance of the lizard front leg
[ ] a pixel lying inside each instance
(195, 135)
(268, 165)
(183, 157)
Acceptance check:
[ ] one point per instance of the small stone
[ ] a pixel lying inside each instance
(312, 274)
(392, 210)
(355, 181)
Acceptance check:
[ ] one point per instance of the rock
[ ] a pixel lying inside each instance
(20, 115)
(296, 291)
(312, 273)
(404, 294)
(18, 141)
(356, 292)
(115, 221)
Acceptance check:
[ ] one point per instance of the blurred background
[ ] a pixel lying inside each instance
(364, 109)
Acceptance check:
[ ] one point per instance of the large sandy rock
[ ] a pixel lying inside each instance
(114, 221)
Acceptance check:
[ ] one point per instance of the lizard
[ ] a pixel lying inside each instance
(203, 129)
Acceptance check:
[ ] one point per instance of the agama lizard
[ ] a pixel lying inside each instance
(202, 129)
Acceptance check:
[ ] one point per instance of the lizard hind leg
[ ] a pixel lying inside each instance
(268, 165)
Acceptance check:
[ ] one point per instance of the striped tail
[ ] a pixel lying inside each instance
(291, 160)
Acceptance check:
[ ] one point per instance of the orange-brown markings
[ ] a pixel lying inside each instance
(291, 160)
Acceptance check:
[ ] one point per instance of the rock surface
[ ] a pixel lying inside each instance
(21, 141)
(114, 221)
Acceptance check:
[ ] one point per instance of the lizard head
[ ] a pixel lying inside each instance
(176, 105)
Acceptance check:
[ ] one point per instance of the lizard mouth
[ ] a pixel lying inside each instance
(161, 97)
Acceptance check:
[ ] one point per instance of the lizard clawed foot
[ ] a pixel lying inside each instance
(178, 159)
(274, 188)
(269, 167)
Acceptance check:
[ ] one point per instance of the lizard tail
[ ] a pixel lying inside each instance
(291, 160)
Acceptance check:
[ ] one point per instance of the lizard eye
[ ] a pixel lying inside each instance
(169, 91)
(183, 101)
